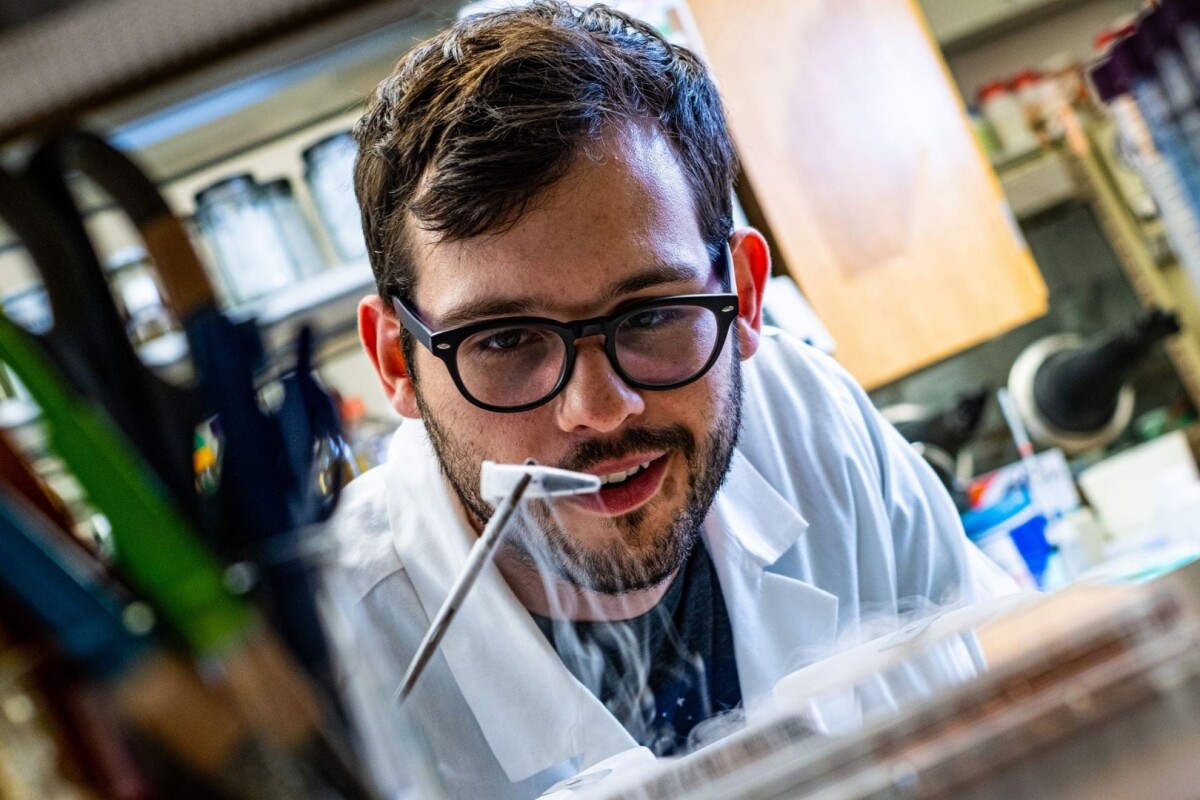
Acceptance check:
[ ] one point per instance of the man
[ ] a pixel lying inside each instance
(546, 198)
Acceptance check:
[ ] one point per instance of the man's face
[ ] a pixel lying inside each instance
(619, 227)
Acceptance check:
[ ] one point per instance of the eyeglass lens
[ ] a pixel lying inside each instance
(662, 346)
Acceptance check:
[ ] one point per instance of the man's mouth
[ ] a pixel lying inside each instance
(626, 488)
(614, 478)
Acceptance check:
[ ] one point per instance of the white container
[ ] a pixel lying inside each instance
(1126, 490)
(1008, 119)
(1177, 512)
(1080, 540)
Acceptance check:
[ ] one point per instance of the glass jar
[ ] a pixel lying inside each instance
(138, 297)
(329, 169)
(247, 241)
(298, 236)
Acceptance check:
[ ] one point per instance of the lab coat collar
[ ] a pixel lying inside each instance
(778, 621)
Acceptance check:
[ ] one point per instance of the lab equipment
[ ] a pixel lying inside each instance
(1137, 54)
(1099, 699)
(508, 483)
(260, 499)
(941, 435)
(172, 568)
(1073, 394)
(1030, 87)
(1015, 514)
(87, 337)
(1038, 495)
(498, 481)
(95, 627)
(1185, 17)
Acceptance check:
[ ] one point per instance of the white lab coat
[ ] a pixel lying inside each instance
(827, 516)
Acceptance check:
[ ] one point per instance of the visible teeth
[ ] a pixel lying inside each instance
(617, 477)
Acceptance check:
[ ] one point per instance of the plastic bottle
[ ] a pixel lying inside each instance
(1184, 17)
(992, 529)
(1030, 90)
(1063, 94)
(1008, 119)
(1138, 52)
(1113, 80)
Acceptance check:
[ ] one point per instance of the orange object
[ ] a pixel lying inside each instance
(353, 410)
(1026, 79)
(990, 90)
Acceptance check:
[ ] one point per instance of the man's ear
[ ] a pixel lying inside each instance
(379, 331)
(751, 269)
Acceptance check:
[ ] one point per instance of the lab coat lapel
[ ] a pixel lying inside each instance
(531, 710)
(779, 622)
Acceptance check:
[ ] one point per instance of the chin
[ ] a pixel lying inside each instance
(622, 557)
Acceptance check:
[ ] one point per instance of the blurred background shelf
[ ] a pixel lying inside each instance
(328, 302)
(1038, 184)
(203, 92)
(959, 25)
(123, 60)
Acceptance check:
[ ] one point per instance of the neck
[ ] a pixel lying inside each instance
(550, 596)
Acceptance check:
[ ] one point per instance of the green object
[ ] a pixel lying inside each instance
(153, 543)
(984, 133)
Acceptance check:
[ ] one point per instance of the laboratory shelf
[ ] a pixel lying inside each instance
(1038, 184)
(130, 58)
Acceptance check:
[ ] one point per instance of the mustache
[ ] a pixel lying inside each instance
(594, 451)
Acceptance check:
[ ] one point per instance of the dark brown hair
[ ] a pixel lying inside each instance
(474, 122)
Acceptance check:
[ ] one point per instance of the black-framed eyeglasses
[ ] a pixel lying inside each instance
(515, 364)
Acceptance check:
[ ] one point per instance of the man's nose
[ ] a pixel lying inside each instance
(595, 397)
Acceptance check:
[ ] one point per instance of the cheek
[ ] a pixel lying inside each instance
(698, 404)
(481, 434)
(509, 439)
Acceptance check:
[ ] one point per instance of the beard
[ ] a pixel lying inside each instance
(641, 555)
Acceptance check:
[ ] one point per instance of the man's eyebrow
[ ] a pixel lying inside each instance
(655, 275)
(490, 307)
(486, 308)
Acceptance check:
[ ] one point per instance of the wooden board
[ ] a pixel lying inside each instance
(859, 150)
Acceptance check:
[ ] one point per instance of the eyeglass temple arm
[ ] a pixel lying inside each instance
(412, 324)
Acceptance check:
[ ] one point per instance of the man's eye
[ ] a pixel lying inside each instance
(651, 318)
(507, 339)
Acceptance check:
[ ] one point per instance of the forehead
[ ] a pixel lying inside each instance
(624, 207)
